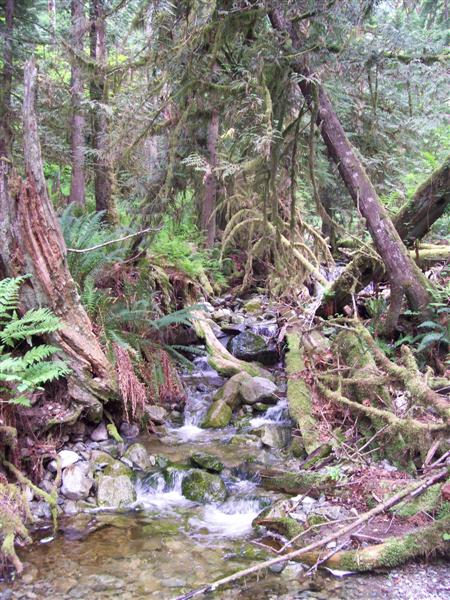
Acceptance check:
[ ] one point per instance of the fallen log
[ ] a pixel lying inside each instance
(219, 358)
(418, 487)
(412, 223)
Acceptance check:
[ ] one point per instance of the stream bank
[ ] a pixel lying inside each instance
(136, 516)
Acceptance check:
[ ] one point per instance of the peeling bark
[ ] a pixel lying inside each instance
(34, 245)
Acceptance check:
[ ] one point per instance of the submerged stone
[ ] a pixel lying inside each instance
(201, 486)
(207, 461)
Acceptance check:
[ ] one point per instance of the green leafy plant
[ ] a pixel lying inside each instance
(25, 371)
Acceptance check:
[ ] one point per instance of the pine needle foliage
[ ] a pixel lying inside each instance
(27, 371)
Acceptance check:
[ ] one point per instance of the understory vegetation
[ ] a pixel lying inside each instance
(173, 174)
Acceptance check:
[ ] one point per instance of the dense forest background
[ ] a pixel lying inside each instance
(155, 155)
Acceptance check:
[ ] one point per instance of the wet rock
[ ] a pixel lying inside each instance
(251, 441)
(219, 415)
(77, 481)
(275, 436)
(157, 414)
(100, 433)
(223, 314)
(258, 389)
(129, 430)
(253, 305)
(70, 507)
(230, 392)
(238, 319)
(139, 457)
(67, 458)
(204, 487)
(251, 347)
(206, 461)
(115, 491)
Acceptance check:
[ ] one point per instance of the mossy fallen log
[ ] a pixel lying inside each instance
(301, 482)
(393, 552)
(299, 394)
(219, 358)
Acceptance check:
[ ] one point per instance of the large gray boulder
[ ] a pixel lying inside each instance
(139, 457)
(258, 389)
(251, 347)
(230, 392)
(115, 491)
(218, 416)
(275, 436)
(77, 481)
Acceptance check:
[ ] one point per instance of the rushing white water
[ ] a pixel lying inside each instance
(231, 519)
(275, 414)
(158, 494)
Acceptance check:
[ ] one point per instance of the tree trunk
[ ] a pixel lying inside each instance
(34, 245)
(6, 81)
(77, 188)
(208, 216)
(412, 222)
(399, 265)
(103, 175)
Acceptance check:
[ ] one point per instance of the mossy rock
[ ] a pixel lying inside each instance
(206, 461)
(276, 519)
(218, 416)
(251, 347)
(201, 486)
(253, 305)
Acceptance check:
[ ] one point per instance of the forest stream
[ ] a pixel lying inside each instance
(164, 545)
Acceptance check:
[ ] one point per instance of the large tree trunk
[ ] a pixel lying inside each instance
(34, 245)
(6, 82)
(208, 216)
(77, 188)
(412, 222)
(103, 174)
(400, 267)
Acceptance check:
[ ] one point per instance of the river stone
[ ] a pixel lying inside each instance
(204, 487)
(251, 347)
(100, 433)
(206, 461)
(253, 305)
(219, 415)
(139, 457)
(115, 491)
(67, 458)
(157, 414)
(230, 392)
(275, 436)
(77, 481)
(258, 389)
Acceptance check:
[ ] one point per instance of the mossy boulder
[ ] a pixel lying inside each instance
(277, 519)
(206, 461)
(251, 347)
(219, 415)
(201, 486)
(253, 305)
(115, 491)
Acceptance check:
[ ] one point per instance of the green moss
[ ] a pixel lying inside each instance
(299, 395)
(302, 482)
(204, 487)
(425, 502)
(314, 519)
(219, 415)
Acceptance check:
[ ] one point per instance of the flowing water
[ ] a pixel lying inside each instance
(167, 545)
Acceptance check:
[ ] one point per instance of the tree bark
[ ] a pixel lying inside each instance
(412, 222)
(77, 188)
(103, 175)
(208, 217)
(6, 82)
(34, 245)
(399, 265)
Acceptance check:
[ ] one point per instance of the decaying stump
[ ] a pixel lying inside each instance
(34, 245)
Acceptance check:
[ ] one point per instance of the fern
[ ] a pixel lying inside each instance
(30, 370)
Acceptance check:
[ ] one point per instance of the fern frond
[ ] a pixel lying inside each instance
(34, 322)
